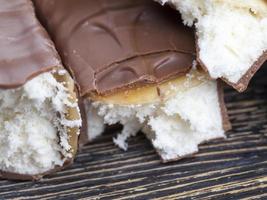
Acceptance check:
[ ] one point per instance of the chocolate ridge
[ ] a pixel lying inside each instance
(144, 55)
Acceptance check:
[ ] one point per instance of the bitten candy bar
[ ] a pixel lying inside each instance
(132, 60)
(231, 36)
(104, 39)
(39, 114)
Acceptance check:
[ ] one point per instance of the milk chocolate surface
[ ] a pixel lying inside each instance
(26, 49)
(113, 44)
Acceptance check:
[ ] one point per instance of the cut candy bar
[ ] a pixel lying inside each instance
(231, 36)
(39, 114)
(132, 60)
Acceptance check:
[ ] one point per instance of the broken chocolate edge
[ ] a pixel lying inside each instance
(244, 81)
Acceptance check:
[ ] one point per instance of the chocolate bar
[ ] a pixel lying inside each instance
(39, 118)
(231, 37)
(129, 33)
(134, 64)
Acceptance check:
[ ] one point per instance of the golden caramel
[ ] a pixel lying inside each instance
(153, 93)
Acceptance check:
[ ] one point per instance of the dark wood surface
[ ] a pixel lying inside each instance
(232, 169)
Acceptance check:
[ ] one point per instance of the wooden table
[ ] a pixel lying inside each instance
(231, 169)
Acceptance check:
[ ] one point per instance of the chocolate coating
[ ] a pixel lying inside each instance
(26, 49)
(115, 44)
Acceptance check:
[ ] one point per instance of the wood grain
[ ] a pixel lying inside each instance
(232, 169)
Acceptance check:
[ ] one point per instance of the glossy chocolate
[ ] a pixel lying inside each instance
(115, 44)
(26, 49)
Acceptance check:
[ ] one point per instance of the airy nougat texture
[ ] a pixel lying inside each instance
(185, 115)
(35, 125)
(231, 36)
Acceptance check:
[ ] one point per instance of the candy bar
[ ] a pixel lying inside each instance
(231, 36)
(134, 63)
(39, 114)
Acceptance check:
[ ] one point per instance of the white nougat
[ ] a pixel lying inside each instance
(95, 123)
(177, 125)
(232, 35)
(33, 129)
